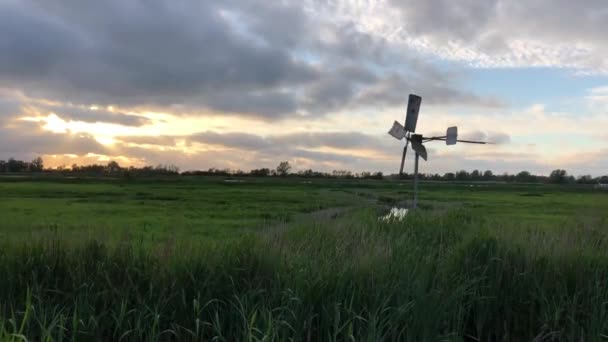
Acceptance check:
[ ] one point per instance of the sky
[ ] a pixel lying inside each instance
(245, 84)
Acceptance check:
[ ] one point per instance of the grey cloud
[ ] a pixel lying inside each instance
(487, 26)
(447, 19)
(339, 140)
(493, 137)
(252, 151)
(251, 57)
(245, 141)
(26, 139)
(154, 53)
(389, 91)
(243, 161)
(585, 20)
(160, 140)
(234, 140)
(353, 45)
(9, 107)
(97, 115)
(270, 105)
(323, 157)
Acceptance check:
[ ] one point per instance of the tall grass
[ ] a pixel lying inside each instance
(439, 277)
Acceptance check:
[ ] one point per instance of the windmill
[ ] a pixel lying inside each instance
(408, 130)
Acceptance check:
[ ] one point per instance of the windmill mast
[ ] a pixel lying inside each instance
(403, 157)
(415, 204)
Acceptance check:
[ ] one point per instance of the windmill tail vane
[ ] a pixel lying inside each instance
(407, 132)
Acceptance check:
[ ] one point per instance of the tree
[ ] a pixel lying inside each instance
(475, 175)
(585, 179)
(37, 164)
(558, 176)
(377, 175)
(283, 168)
(14, 165)
(487, 175)
(113, 167)
(342, 174)
(172, 169)
(523, 176)
(260, 172)
(449, 176)
(462, 175)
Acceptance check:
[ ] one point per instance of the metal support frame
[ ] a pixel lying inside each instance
(403, 157)
(416, 183)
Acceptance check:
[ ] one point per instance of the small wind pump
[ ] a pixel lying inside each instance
(408, 130)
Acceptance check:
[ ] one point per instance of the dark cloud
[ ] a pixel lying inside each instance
(9, 107)
(153, 53)
(251, 57)
(27, 139)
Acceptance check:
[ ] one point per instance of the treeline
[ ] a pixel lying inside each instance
(112, 168)
(14, 165)
(558, 176)
(266, 172)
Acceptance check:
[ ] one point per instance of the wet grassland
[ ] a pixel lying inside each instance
(304, 259)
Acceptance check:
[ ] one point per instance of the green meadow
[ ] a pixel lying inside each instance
(274, 259)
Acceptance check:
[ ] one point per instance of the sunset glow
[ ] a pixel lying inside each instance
(322, 94)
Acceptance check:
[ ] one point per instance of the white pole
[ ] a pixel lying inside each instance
(416, 182)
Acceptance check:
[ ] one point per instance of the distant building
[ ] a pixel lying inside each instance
(601, 186)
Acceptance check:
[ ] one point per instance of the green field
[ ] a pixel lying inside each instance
(200, 258)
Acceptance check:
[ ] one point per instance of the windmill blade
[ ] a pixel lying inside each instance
(397, 131)
(425, 139)
(417, 145)
(475, 142)
(420, 149)
(413, 108)
(451, 136)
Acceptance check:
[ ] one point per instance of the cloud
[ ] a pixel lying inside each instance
(9, 107)
(491, 137)
(491, 33)
(338, 140)
(245, 141)
(252, 58)
(128, 54)
(598, 98)
(312, 81)
(162, 140)
(87, 114)
(26, 139)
